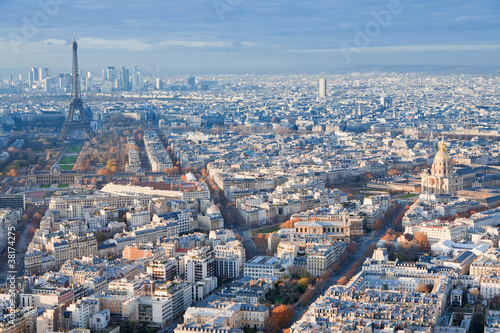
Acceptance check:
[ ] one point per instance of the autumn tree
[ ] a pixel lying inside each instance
(424, 288)
(260, 241)
(370, 249)
(352, 248)
(13, 173)
(204, 172)
(281, 316)
(422, 240)
(111, 165)
(172, 171)
(393, 172)
(390, 235)
(379, 225)
(343, 281)
(103, 172)
(306, 297)
(367, 177)
(335, 267)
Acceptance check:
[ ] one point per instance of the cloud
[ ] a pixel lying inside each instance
(117, 44)
(408, 48)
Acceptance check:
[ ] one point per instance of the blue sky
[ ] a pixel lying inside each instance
(249, 35)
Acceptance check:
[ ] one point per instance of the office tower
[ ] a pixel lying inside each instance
(11, 79)
(36, 76)
(62, 81)
(89, 80)
(190, 81)
(136, 81)
(31, 79)
(43, 73)
(74, 124)
(159, 84)
(46, 84)
(322, 88)
(124, 79)
(111, 74)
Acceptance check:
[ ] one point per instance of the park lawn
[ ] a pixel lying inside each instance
(406, 196)
(269, 230)
(44, 186)
(66, 167)
(74, 149)
(68, 160)
(63, 185)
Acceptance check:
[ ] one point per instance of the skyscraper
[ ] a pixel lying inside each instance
(36, 74)
(159, 84)
(322, 88)
(31, 78)
(124, 78)
(43, 73)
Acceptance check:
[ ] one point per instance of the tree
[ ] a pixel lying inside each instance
(103, 172)
(343, 281)
(13, 173)
(303, 282)
(421, 288)
(352, 248)
(282, 315)
(204, 172)
(379, 225)
(270, 325)
(335, 267)
(36, 219)
(393, 172)
(422, 240)
(260, 241)
(127, 327)
(367, 177)
(370, 249)
(306, 297)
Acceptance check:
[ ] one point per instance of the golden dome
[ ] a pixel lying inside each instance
(442, 156)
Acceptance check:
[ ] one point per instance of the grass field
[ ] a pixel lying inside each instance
(68, 160)
(67, 167)
(406, 196)
(269, 229)
(74, 149)
(63, 185)
(44, 186)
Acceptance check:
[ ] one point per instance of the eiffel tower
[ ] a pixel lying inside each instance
(77, 120)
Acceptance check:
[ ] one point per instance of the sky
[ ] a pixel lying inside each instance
(225, 36)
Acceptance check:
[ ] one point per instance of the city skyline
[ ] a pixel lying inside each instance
(236, 36)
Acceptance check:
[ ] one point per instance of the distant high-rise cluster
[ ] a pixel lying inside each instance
(121, 80)
(37, 75)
